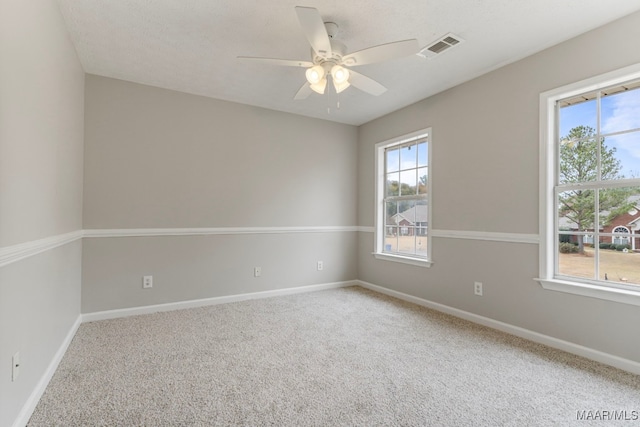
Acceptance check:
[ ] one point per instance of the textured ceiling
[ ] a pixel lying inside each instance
(191, 46)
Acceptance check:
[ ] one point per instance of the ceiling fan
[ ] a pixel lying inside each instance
(329, 59)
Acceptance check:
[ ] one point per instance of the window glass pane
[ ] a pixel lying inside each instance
(423, 179)
(393, 160)
(571, 262)
(391, 239)
(576, 210)
(422, 154)
(422, 213)
(578, 160)
(405, 209)
(408, 182)
(407, 240)
(421, 244)
(392, 184)
(406, 221)
(409, 212)
(620, 110)
(619, 216)
(619, 266)
(406, 231)
(621, 156)
(422, 224)
(619, 210)
(408, 157)
(578, 113)
(391, 213)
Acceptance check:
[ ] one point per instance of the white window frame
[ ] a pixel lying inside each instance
(547, 214)
(379, 198)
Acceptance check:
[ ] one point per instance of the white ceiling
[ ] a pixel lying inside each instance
(191, 46)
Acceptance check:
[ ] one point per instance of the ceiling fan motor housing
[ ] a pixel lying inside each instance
(338, 50)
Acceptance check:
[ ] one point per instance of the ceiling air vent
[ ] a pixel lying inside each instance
(443, 43)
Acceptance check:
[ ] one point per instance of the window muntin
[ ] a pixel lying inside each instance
(403, 198)
(597, 187)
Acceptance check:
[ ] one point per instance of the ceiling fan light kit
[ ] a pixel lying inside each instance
(319, 87)
(339, 74)
(340, 77)
(315, 74)
(328, 57)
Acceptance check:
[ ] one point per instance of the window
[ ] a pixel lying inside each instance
(619, 237)
(402, 194)
(590, 189)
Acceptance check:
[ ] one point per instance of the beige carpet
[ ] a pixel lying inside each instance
(345, 357)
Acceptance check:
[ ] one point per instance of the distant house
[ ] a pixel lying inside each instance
(412, 221)
(627, 224)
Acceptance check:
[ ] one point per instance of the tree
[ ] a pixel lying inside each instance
(393, 189)
(422, 184)
(579, 163)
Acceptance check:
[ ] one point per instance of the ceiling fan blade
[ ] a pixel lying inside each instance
(366, 84)
(275, 61)
(382, 52)
(314, 29)
(304, 92)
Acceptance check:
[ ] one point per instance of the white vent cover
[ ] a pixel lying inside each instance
(444, 43)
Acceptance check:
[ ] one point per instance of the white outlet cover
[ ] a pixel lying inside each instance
(147, 282)
(477, 288)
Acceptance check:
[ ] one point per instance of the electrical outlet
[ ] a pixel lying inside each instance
(257, 271)
(147, 282)
(477, 288)
(320, 265)
(15, 366)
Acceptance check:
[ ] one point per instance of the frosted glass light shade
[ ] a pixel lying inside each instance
(314, 74)
(319, 87)
(341, 86)
(339, 74)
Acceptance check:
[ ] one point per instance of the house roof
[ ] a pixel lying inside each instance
(413, 215)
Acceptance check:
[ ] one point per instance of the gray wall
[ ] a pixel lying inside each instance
(158, 159)
(485, 178)
(41, 136)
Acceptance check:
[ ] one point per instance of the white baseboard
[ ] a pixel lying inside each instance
(124, 312)
(569, 347)
(38, 391)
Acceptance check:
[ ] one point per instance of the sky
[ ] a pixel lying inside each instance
(407, 158)
(619, 112)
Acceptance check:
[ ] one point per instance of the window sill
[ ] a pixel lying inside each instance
(403, 259)
(610, 294)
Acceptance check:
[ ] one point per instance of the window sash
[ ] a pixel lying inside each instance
(594, 235)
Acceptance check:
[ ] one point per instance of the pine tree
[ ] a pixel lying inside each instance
(579, 164)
